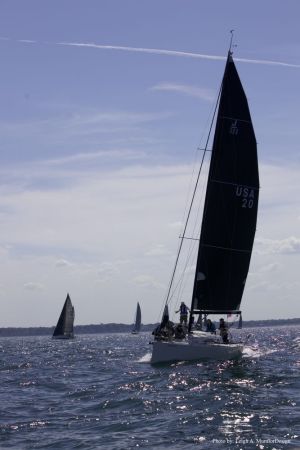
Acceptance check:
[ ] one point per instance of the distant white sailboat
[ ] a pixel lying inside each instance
(64, 327)
(227, 232)
(138, 320)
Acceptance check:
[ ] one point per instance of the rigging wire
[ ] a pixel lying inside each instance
(192, 182)
(181, 285)
(192, 200)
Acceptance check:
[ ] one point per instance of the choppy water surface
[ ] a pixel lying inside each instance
(100, 391)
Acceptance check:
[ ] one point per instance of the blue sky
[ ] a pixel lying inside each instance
(103, 107)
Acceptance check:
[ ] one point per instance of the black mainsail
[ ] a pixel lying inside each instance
(230, 208)
(64, 327)
(138, 320)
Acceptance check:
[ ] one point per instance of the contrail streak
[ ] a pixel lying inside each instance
(157, 51)
(154, 51)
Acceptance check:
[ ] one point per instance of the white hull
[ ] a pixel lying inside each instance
(201, 346)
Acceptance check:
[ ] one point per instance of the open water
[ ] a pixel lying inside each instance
(100, 391)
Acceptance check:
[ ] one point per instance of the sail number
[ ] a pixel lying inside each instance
(234, 128)
(247, 196)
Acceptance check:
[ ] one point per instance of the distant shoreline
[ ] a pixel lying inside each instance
(125, 328)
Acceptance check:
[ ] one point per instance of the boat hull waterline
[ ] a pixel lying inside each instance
(194, 349)
(63, 337)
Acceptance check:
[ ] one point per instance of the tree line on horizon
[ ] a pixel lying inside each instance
(124, 328)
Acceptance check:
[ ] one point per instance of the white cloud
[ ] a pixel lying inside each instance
(31, 286)
(147, 281)
(283, 246)
(107, 268)
(194, 91)
(158, 250)
(120, 155)
(104, 225)
(178, 225)
(85, 123)
(63, 263)
(272, 267)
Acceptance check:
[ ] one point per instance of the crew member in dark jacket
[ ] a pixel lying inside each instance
(183, 309)
(210, 326)
(223, 331)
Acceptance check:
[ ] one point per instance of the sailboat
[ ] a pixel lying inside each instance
(227, 229)
(64, 327)
(138, 320)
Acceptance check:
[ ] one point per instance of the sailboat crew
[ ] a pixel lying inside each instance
(210, 327)
(223, 331)
(183, 309)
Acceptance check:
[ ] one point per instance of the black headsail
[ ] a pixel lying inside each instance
(64, 327)
(230, 209)
(138, 319)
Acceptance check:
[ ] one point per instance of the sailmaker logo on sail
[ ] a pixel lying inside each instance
(247, 195)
